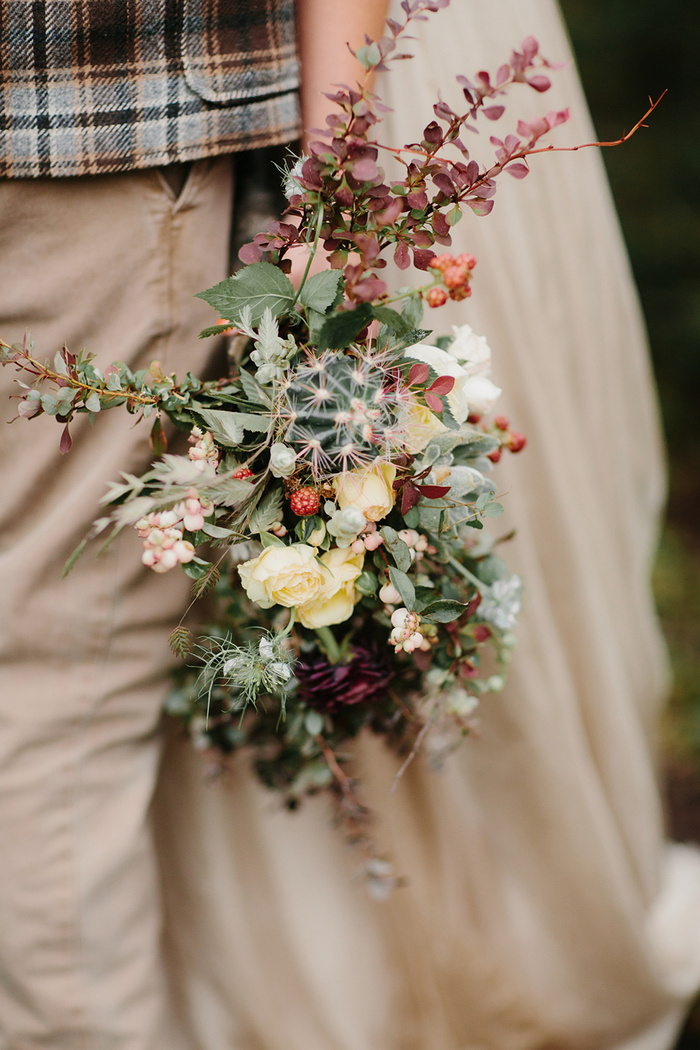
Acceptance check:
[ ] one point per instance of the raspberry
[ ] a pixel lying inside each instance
(454, 276)
(501, 422)
(463, 292)
(304, 501)
(437, 296)
(517, 442)
(495, 455)
(243, 472)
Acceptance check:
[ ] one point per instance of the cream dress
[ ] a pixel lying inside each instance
(543, 907)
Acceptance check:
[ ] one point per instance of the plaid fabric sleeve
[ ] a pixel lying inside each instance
(97, 86)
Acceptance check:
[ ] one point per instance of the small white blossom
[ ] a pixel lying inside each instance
(282, 460)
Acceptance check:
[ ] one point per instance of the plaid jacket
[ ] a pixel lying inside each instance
(97, 86)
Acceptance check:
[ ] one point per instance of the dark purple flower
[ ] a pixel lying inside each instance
(362, 680)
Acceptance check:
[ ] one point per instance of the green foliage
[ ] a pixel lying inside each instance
(260, 286)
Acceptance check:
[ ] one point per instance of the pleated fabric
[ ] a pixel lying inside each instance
(544, 909)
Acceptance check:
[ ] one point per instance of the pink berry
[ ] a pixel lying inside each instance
(466, 259)
(454, 276)
(304, 501)
(502, 422)
(437, 297)
(517, 442)
(495, 455)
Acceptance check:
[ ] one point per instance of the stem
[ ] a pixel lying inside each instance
(327, 639)
(458, 567)
(312, 253)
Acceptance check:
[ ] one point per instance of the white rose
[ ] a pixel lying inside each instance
(282, 460)
(445, 365)
(471, 350)
(337, 599)
(481, 394)
(286, 576)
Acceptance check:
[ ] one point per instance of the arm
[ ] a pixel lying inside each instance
(324, 29)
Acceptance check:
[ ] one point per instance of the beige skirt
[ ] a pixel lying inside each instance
(543, 907)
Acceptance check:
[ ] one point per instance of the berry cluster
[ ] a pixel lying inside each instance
(455, 274)
(510, 439)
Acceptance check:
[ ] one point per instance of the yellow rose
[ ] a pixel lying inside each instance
(369, 489)
(338, 596)
(283, 576)
(420, 426)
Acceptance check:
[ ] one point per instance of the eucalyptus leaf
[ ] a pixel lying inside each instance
(443, 611)
(404, 586)
(215, 531)
(268, 539)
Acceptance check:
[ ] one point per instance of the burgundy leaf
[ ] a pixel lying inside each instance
(518, 171)
(539, 82)
(434, 403)
(493, 112)
(364, 170)
(418, 199)
(418, 373)
(66, 441)
(441, 225)
(401, 256)
(480, 207)
(410, 497)
(422, 258)
(434, 491)
(444, 183)
(442, 385)
(250, 253)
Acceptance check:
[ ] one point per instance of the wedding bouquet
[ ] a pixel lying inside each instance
(334, 492)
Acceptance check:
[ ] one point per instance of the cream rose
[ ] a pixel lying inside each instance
(338, 596)
(370, 489)
(420, 426)
(288, 576)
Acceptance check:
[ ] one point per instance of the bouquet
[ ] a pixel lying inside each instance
(334, 492)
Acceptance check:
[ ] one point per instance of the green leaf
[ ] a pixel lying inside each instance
(267, 512)
(253, 391)
(369, 55)
(397, 548)
(260, 286)
(366, 583)
(393, 320)
(443, 611)
(253, 422)
(92, 403)
(215, 531)
(340, 329)
(268, 539)
(404, 586)
(413, 310)
(321, 291)
(223, 425)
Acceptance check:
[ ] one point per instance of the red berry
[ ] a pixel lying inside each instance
(495, 455)
(441, 262)
(474, 417)
(243, 472)
(517, 442)
(502, 422)
(454, 276)
(466, 259)
(304, 501)
(463, 292)
(437, 297)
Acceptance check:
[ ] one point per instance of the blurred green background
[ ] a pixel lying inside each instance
(628, 50)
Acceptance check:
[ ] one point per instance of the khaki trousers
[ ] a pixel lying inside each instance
(110, 263)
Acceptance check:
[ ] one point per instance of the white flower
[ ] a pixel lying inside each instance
(471, 350)
(481, 394)
(346, 524)
(282, 460)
